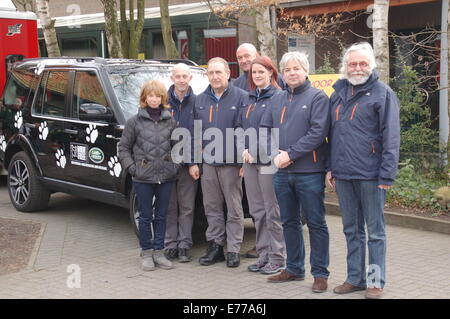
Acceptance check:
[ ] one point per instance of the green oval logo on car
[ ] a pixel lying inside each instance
(96, 155)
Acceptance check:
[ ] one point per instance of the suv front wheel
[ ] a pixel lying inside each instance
(25, 190)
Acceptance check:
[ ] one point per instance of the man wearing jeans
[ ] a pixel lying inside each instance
(301, 114)
(365, 142)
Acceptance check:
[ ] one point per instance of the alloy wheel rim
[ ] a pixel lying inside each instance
(19, 182)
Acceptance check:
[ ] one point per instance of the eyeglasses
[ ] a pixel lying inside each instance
(362, 64)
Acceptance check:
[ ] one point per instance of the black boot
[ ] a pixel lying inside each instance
(214, 253)
(233, 260)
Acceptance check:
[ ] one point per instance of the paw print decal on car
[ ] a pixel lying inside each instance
(60, 158)
(92, 133)
(18, 119)
(43, 130)
(115, 167)
(2, 143)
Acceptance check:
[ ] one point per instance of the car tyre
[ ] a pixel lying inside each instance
(25, 190)
(133, 211)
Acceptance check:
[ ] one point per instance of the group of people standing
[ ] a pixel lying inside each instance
(350, 141)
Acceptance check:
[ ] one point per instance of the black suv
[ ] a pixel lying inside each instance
(60, 123)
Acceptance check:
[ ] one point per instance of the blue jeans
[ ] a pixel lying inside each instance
(306, 191)
(362, 203)
(152, 230)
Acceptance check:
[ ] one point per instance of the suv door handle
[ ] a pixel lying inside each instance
(30, 125)
(69, 131)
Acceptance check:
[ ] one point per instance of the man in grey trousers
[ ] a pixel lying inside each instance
(217, 109)
(180, 214)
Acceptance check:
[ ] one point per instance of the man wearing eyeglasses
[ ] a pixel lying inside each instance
(364, 152)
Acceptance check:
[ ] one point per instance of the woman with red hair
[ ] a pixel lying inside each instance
(263, 78)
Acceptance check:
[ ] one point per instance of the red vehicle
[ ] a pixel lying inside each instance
(18, 39)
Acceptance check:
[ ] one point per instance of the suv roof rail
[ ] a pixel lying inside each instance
(174, 61)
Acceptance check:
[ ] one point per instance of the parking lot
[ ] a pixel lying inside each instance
(88, 250)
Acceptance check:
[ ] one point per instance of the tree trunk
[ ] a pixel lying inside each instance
(169, 44)
(448, 75)
(25, 5)
(112, 29)
(264, 33)
(136, 28)
(124, 30)
(48, 28)
(381, 38)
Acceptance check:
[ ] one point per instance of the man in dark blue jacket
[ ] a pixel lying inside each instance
(365, 142)
(180, 214)
(217, 110)
(301, 115)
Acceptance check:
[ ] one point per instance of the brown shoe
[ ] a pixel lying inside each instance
(374, 293)
(284, 276)
(252, 253)
(347, 288)
(320, 285)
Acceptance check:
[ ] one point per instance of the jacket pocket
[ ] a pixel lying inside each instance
(170, 170)
(144, 171)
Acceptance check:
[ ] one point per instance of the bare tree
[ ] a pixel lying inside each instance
(124, 38)
(380, 38)
(48, 28)
(111, 28)
(166, 26)
(25, 5)
(265, 34)
(131, 29)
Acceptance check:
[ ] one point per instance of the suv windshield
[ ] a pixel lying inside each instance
(127, 83)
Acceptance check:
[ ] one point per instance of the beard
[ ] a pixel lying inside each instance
(358, 78)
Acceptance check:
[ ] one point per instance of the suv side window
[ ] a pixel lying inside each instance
(87, 89)
(37, 108)
(51, 94)
(17, 88)
(55, 92)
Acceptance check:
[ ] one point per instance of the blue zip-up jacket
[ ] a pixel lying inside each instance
(302, 117)
(182, 111)
(220, 114)
(251, 117)
(242, 82)
(365, 131)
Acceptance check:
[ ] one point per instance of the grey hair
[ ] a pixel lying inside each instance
(181, 66)
(220, 60)
(300, 57)
(363, 47)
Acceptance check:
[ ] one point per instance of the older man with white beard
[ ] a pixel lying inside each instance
(365, 142)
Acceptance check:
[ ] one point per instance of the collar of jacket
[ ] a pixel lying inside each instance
(341, 85)
(300, 89)
(209, 91)
(173, 97)
(165, 113)
(265, 93)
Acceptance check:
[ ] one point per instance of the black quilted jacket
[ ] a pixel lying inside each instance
(145, 146)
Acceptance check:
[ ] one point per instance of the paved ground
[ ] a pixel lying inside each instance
(97, 240)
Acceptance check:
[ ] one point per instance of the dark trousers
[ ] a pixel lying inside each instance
(152, 223)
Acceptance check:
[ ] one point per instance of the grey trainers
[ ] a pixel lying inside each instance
(161, 261)
(271, 268)
(147, 260)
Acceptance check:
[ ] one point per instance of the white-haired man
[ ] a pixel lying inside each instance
(365, 142)
(180, 214)
(301, 114)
